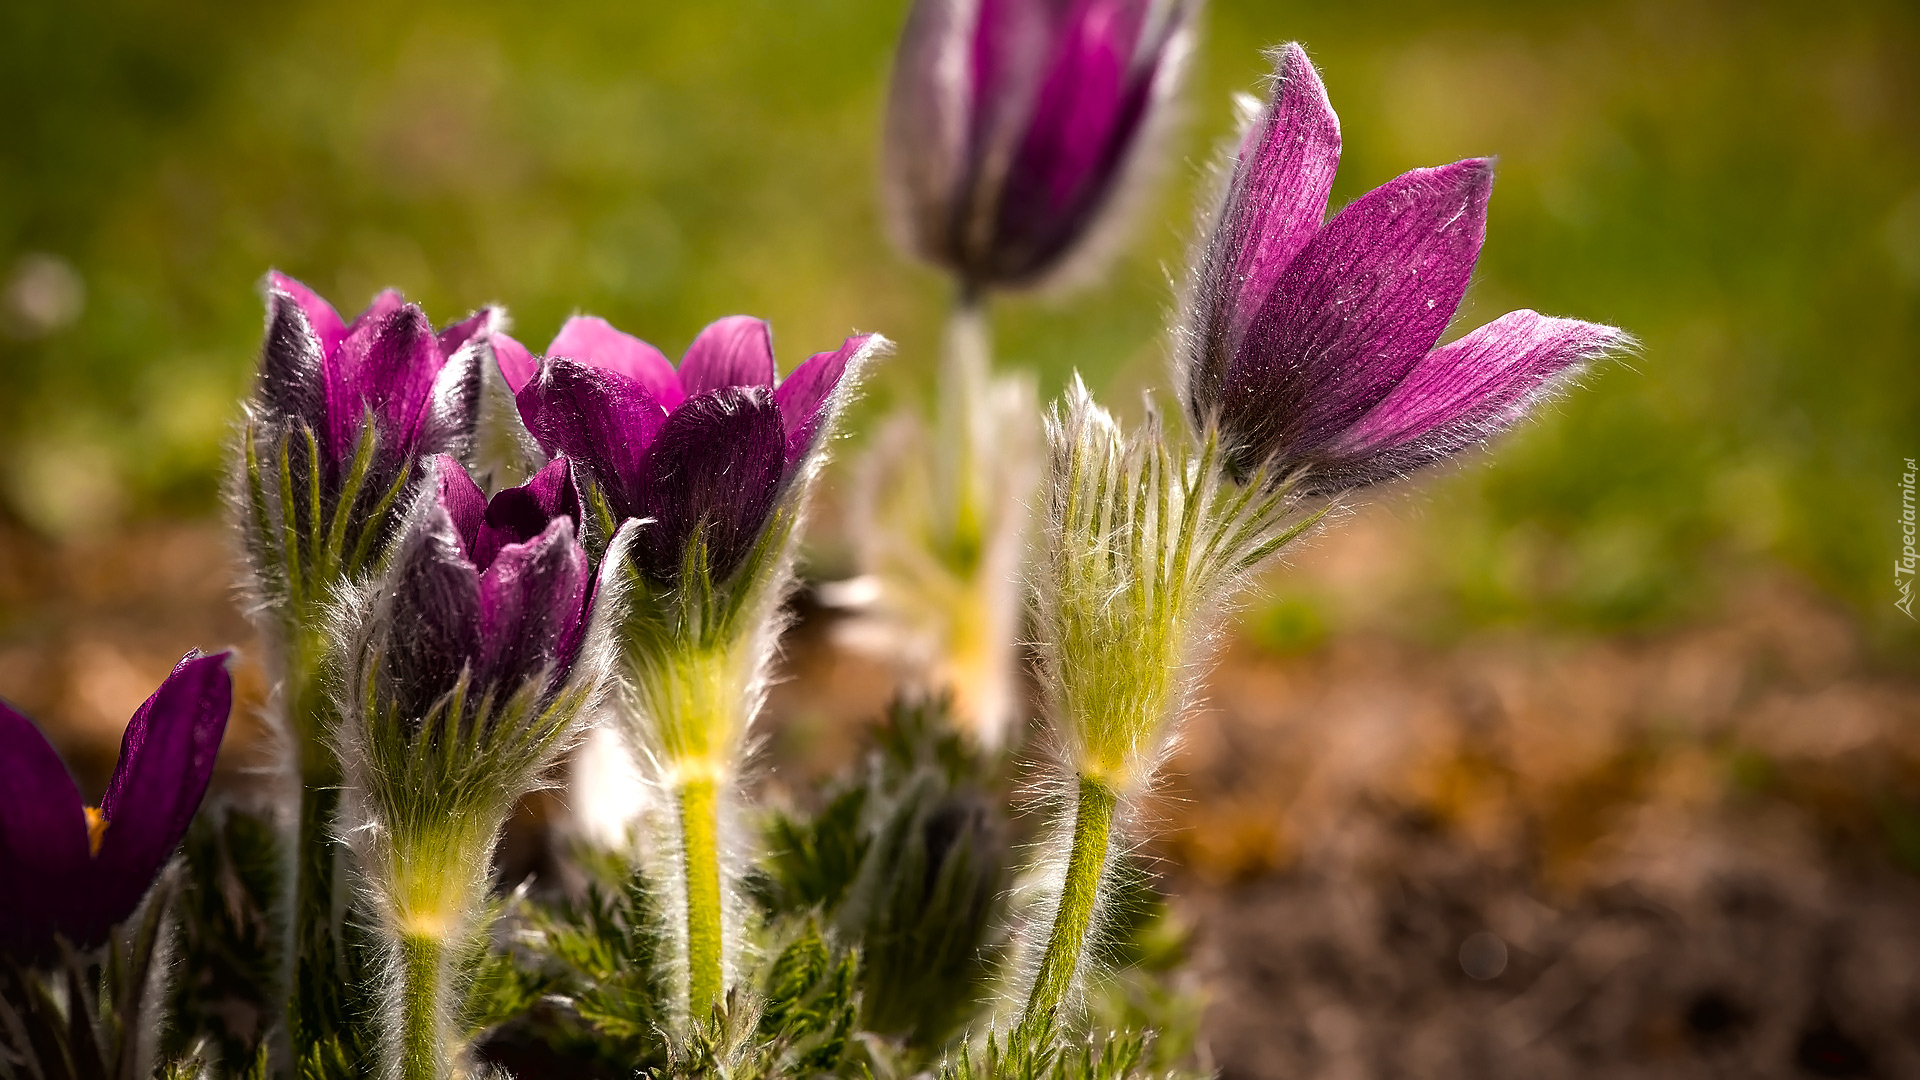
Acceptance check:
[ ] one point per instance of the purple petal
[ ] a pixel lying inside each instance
(385, 304)
(734, 351)
(457, 334)
(603, 421)
(1280, 184)
(325, 321)
(519, 514)
(1275, 203)
(532, 601)
(1465, 392)
(803, 395)
(1089, 109)
(712, 477)
(927, 131)
(387, 363)
(465, 503)
(434, 617)
(1361, 304)
(594, 342)
(516, 362)
(166, 761)
(43, 835)
(292, 360)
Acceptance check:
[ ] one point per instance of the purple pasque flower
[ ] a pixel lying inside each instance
(318, 370)
(498, 589)
(1012, 123)
(1312, 346)
(701, 452)
(76, 870)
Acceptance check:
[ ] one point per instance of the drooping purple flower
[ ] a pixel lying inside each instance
(75, 870)
(702, 452)
(499, 589)
(1312, 346)
(1012, 123)
(329, 374)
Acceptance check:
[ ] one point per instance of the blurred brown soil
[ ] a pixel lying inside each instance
(1688, 856)
(1693, 854)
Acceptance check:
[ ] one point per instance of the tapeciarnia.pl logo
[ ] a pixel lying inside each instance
(1903, 567)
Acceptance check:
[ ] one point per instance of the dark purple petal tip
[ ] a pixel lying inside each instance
(711, 479)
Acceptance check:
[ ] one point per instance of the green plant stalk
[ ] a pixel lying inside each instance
(700, 852)
(423, 992)
(960, 418)
(1086, 862)
(694, 700)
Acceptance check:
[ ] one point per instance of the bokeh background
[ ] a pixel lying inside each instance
(1629, 700)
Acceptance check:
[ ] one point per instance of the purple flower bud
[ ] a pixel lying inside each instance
(75, 870)
(1012, 123)
(1312, 346)
(318, 370)
(498, 589)
(703, 451)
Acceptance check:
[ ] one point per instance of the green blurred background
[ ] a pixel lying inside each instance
(1736, 183)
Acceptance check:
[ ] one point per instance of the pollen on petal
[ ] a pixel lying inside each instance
(96, 828)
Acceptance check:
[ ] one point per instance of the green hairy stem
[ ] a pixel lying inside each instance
(422, 1044)
(700, 847)
(1086, 862)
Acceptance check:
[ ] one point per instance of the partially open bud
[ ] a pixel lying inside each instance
(1312, 345)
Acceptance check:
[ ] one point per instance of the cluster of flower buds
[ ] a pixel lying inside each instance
(434, 646)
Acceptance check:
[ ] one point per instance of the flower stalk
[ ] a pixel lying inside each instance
(1147, 540)
(1079, 894)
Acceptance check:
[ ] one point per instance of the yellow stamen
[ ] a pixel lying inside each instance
(96, 828)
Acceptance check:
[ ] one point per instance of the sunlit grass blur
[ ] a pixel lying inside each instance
(1737, 184)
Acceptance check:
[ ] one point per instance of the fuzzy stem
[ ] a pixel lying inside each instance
(422, 991)
(1092, 829)
(700, 847)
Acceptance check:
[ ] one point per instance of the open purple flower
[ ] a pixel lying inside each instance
(1313, 346)
(317, 369)
(498, 589)
(76, 870)
(703, 452)
(1012, 123)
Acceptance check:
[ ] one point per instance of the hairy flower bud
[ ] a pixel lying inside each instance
(1311, 347)
(468, 667)
(1013, 124)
